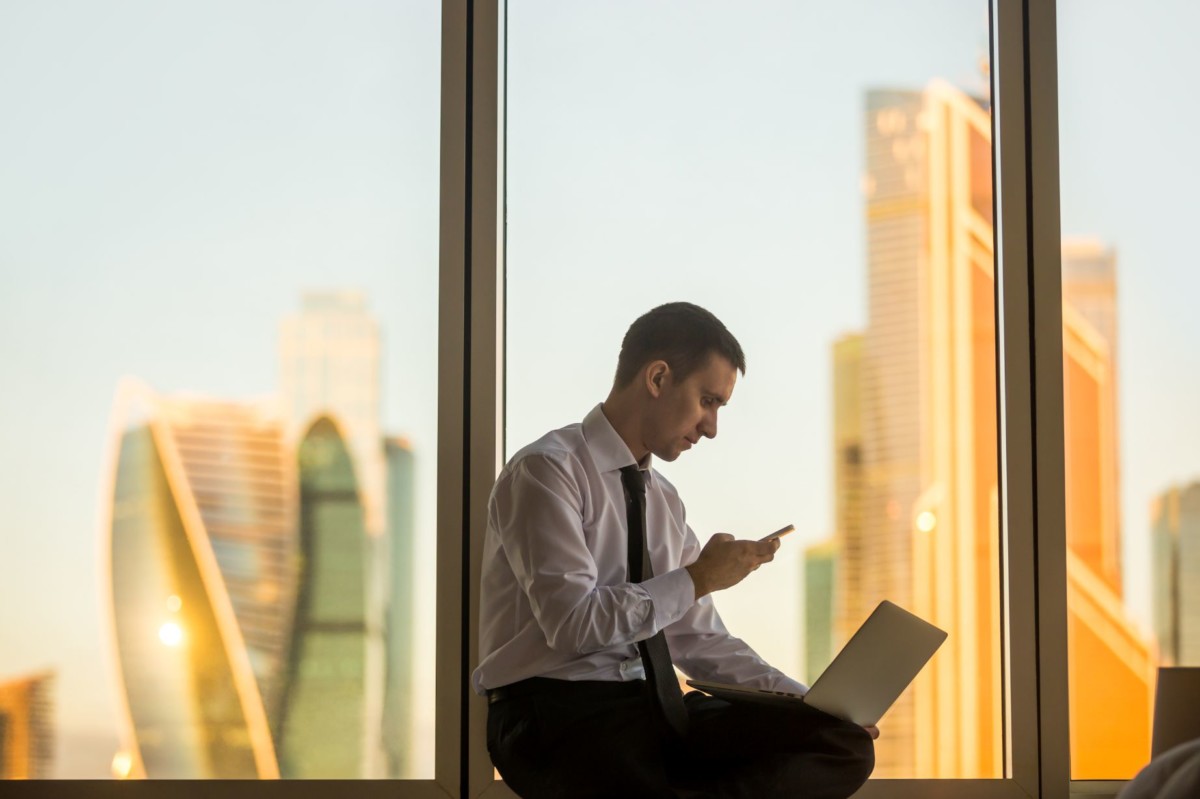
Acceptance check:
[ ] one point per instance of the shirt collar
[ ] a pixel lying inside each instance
(609, 450)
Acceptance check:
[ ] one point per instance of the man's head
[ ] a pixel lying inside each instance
(681, 334)
(677, 368)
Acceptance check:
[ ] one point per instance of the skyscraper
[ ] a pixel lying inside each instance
(330, 367)
(321, 731)
(848, 596)
(820, 565)
(1090, 341)
(1176, 574)
(1111, 674)
(329, 364)
(27, 727)
(201, 574)
(929, 538)
(400, 689)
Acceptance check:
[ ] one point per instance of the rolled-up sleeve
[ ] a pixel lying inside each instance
(538, 511)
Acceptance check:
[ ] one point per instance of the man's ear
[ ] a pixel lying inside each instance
(657, 374)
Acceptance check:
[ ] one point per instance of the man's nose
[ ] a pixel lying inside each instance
(708, 426)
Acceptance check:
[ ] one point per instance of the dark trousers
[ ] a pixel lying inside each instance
(551, 738)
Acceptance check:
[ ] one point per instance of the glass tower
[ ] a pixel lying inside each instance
(202, 568)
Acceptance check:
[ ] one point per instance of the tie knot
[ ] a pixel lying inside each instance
(633, 479)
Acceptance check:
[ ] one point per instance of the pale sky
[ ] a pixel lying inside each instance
(173, 176)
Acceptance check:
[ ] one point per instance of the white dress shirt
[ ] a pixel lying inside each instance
(555, 599)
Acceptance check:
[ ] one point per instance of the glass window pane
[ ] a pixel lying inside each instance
(819, 176)
(219, 300)
(1131, 371)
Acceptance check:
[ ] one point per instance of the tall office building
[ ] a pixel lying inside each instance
(202, 567)
(1090, 337)
(1176, 574)
(895, 194)
(929, 537)
(820, 565)
(1111, 664)
(321, 731)
(27, 727)
(330, 366)
(400, 688)
(848, 596)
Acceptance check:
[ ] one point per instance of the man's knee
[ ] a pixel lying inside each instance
(855, 750)
(836, 767)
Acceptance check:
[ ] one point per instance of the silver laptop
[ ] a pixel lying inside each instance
(867, 676)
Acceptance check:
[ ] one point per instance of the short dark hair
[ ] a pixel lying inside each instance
(680, 333)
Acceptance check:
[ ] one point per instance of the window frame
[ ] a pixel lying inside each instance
(471, 420)
(1029, 362)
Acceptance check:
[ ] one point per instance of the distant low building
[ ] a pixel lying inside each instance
(27, 727)
(1176, 574)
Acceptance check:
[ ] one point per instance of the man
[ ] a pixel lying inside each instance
(579, 634)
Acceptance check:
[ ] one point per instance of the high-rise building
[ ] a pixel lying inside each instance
(330, 367)
(849, 597)
(820, 564)
(27, 727)
(929, 537)
(1111, 665)
(400, 689)
(321, 730)
(1176, 574)
(202, 566)
(1090, 340)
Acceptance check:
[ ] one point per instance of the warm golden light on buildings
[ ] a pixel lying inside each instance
(27, 727)
(1111, 664)
(170, 634)
(928, 534)
(122, 765)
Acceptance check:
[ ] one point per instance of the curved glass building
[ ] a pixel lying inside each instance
(322, 731)
(202, 570)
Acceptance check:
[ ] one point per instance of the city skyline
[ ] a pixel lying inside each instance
(166, 242)
(256, 618)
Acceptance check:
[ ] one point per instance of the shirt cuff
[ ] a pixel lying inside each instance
(788, 685)
(672, 594)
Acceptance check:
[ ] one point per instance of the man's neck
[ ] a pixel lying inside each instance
(626, 422)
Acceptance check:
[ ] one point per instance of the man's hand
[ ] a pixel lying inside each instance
(725, 562)
(873, 731)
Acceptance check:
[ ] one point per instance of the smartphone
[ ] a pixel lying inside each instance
(780, 533)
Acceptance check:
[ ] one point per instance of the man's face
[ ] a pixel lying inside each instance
(685, 411)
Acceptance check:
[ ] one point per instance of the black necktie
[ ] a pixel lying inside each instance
(656, 658)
